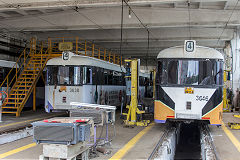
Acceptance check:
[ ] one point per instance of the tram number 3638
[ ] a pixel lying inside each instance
(201, 98)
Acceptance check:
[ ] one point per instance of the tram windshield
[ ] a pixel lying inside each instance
(190, 72)
(64, 75)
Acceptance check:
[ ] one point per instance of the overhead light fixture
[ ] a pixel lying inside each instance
(129, 12)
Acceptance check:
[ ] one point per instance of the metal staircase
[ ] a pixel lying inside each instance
(26, 77)
(22, 78)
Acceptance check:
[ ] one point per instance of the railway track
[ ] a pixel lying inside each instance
(185, 141)
(208, 150)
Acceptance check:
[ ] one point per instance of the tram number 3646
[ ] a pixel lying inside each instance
(201, 98)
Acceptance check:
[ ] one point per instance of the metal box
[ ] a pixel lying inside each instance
(100, 117)
(61, 130)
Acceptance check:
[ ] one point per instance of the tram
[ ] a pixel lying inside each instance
(82, 79)
(189, 85)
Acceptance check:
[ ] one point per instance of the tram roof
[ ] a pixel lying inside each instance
(85, 61)
(8, 64)
(200, 52)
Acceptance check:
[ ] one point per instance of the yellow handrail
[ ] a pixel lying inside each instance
(83, 47)
(15, 66)
(42, 65)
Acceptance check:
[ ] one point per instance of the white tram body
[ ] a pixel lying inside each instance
(189, 85)
(82, 79)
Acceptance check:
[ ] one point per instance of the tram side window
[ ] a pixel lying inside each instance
(218, 73)
(106, 76)
(110, 77)
(87, 75)
(121, 79)
(52, 75)
(63, 75)
(116, 78)
(98, 77)
(159, 72)
(94, 75)
(172, 72)
(75, 75)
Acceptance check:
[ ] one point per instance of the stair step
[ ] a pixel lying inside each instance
(22, 81)
(10, 98)
(20, 90)
(33, 66)
(28, 74)
(27, 78)
(36, 64)
(11, 112)
(14, 103)
(9, 107)
(23, 86)
(16, 93)
(32, 69)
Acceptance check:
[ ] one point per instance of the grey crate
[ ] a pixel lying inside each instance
(97, 115)
(60, 133)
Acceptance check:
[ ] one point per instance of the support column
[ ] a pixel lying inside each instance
(34, 98)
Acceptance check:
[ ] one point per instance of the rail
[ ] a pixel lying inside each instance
(169, 128)
(210, 149)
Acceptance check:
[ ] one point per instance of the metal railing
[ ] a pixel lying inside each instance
(13, 74)
(83, 47)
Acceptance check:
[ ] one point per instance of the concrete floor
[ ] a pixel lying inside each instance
(141, 150)
(11, 122)
(225, 148)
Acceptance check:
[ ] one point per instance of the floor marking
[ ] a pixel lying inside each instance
(14, 151)
(11, 124)
(131, 143)
(231, 137)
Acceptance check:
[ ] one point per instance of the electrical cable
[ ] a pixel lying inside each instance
(147, 51)
(189, 20)
(227, 21)
(144, 26)
(75, 8)
(121, 35)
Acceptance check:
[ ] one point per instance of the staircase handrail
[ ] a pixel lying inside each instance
(15, 67)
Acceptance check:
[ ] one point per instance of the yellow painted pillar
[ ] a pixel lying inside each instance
(76, 45)
(154, 83)
(49, 45)
(85, 47)
(99, 53)
(134, 90)
(93, 48)
(225, 107)
(114, 61)
(34, 98)
(104, 56)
